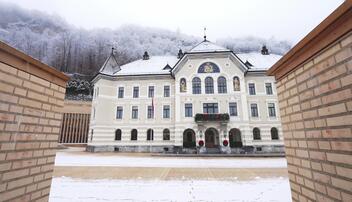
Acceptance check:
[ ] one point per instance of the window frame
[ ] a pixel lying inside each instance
(167, 91)
(150, 134)
(117, 112)
(168, 110)
(271, 110)
(188, 109)
(209, 85)
(134, 112)
(135, 93)
(151, 91)
(214, 107)
(196, 86)
(251, 92)
(277, 133)
(256, 110)
(168, 134)
(150, 112)
(235, 107)
(258, 135)
(132, 135)
(116, 135)
(271, 88)
(222, 86)
(119, 94)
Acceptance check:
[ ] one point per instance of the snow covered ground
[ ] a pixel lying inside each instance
(186, 181)
(76, 190)
(71, 159)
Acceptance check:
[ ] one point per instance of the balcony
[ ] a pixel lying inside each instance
(225, 117)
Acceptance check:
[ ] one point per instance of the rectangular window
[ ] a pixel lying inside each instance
(233, 108)
(210, 108)
(166, 91)
(166, 111)
(135, 92)
(188, 110)
(251, 88)
(121, 92)
(150, 112)
(134, 112)
(151, 91)
(119, 113)
(268, 88)
(254, 110)
(271, 109)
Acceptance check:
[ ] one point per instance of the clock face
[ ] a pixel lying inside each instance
(208, 67)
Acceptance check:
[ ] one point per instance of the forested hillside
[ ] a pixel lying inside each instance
(52, 40)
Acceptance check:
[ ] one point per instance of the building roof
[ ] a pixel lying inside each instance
(154, 65)
(110, 65)
(258, 60)
(207, 46)
(164, 64)
(335, 26)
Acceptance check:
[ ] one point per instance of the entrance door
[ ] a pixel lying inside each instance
(211, 138)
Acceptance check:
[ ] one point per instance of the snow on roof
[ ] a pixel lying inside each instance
(110, 65)
(207, 46)
(259, 61)
(154, 65)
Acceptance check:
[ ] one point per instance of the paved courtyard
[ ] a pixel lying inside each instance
(81, 176)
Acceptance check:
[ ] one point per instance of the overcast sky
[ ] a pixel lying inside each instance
(283, 19)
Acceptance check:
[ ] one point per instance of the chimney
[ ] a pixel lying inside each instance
(145, 56)
(265, 51)
(180, 54)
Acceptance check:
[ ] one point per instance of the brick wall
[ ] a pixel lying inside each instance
(30, 118)
(316, 110)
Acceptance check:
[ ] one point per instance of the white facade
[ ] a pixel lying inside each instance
(111, 129)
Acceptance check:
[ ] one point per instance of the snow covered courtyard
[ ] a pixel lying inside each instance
(68, 190)
(90, 177)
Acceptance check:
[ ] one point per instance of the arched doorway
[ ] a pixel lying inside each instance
(235, 138)
(211, 138)
(189, 138)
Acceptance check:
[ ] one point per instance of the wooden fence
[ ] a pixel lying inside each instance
(74, 128)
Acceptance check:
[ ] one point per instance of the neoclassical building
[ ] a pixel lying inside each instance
(206, 100)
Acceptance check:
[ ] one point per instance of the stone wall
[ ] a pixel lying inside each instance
(31, 99)
(316, 110)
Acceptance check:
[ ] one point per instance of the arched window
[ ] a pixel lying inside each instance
(209, 85)
(189, 138)
(222, 87)
(196, 86)
(236, 83)
(134, 134)
(274, 133)
(235, 138)
(166, 134)
(256, 134)
(208, 67)
(150, 134)
(118, 134)
(183, 85)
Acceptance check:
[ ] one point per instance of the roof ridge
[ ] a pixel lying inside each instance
(215, 47)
